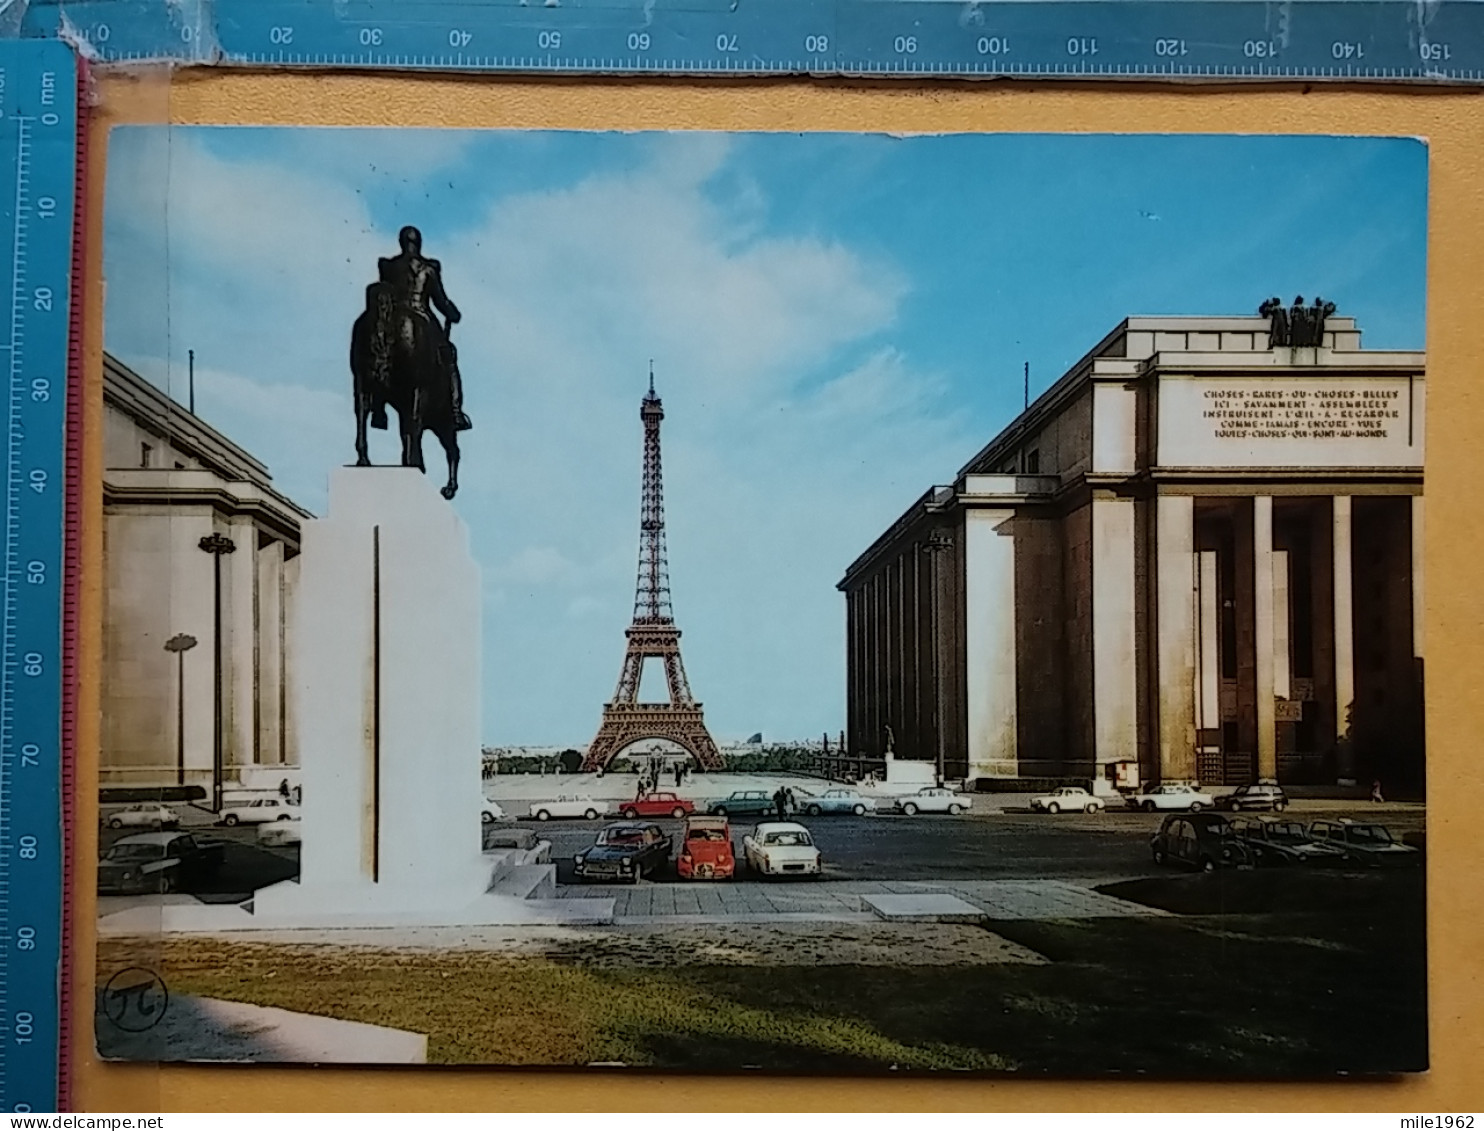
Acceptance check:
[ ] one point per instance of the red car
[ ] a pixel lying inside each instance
(658, 804)
(706, 851)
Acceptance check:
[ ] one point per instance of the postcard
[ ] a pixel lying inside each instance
(783, 602)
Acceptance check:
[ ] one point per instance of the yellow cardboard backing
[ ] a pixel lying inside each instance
(1452, 122)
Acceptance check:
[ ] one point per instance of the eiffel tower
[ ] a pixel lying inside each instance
(652, 635)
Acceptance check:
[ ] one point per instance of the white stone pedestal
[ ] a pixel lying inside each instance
(386, 656)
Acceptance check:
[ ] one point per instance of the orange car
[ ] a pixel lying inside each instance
(706, 851)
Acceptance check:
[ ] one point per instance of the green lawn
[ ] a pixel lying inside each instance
(1292, 992)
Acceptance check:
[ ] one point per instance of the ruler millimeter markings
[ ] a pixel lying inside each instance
(1225, 40)
(38, 144)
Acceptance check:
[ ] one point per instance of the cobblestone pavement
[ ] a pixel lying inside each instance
(805, 902)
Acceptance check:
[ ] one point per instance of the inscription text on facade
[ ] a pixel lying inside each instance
(1241, 413)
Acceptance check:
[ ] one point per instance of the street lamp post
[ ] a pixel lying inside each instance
(216, 545)
(939, 541)
(180, 644)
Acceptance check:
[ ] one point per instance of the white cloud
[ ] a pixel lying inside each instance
(536, 565)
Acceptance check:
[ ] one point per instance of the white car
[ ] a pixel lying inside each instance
(490, 811)
(145, 816)
(781, 848)
(1171, 797)
(933, 800)
(568, 805)
(273, 833)
(1068, 798)
(259, 812)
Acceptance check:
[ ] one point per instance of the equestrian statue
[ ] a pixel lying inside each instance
(402, 357)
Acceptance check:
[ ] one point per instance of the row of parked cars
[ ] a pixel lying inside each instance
(631, 850)
(153, 815)
(750, 803)
(1208, 841)
(1073, 799)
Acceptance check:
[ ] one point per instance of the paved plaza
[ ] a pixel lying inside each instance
(845, 902)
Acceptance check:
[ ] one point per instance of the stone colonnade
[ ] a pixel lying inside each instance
(1213, 638)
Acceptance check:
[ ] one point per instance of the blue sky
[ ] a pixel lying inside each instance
(836, 322)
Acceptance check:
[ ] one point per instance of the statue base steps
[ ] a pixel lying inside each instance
(370, 923)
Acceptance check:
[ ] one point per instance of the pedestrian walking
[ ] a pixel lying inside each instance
(679, 773)
(780, 802)
(283, 789)
(1376, 791)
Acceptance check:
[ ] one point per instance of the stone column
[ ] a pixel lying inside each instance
(191, 610)
(1208, 618)
(1344, 613)
(1282, 644)
(270, 653)
(1419, 611)
(851, 665)
(894, 649)
(1174, 568)
(877, 664)
(989, 621)
(290, 698)
(1114, 667)
(239, 616)
(1264, 636)
(911, 641)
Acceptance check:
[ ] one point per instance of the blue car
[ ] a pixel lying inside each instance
(744, 803)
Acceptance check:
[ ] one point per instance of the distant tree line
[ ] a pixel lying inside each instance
(569, 761)
(772, 759)
(761, 759)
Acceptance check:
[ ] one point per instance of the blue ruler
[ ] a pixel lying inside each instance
(38, 151)
(1372, 40)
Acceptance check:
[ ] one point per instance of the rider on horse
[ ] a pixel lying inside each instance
(413, 285)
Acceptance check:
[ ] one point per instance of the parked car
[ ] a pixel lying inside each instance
(1275, 842)
(1364, 843)
(658, 804)
(568, 805)
(933, 800)
(624, 851)
(1254, 797)
(781, 848)
(743, 803)
(157, 862)
(277, 833)
(1070, 798)
(1203, 841)
(706, 850)
(257, 812)
(1170, 797)
(490, 811)
(840, 801)
(151, 816)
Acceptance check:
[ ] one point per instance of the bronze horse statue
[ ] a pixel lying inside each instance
(402, 358)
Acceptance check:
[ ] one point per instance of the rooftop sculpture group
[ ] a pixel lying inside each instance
(1298, 325)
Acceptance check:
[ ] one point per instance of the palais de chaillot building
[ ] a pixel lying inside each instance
(1197, 557)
